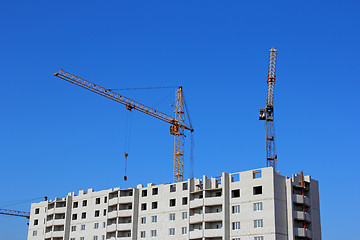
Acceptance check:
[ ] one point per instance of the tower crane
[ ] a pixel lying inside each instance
(15, 213)
(177, 122)
(18, 213)
(267, 113)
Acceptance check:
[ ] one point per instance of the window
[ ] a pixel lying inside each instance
(153, 233)
(172, 202)
(36, 222)
(83, 227)
(183, 230)
(83, 215)
(72, 238)
(154, 205)
(143, 220)
(82, 238)
(74, 216)
(97, 201)
(184, 200)
(155, 191)
(73, 228)
(97, 213)
(185, 186)
(235, 225)
(144, 193)
(171, 231)
(104, 212)
(37, 210)
(105, 200)
(184, 215)
(236, 239)
(104, 224)
(172, 216)
(143, 206)
(95, 238)
(34, 233)
(258, 223)
(173, 188)
(75, 204)
(84, 203)
(103, 237)
(236, 209)
(96, 225)
(235, 178)
(154, 219)
(257, 190)
(142, 234)
(256, 174)
(258, 206)
(259, 238)
(235, 193)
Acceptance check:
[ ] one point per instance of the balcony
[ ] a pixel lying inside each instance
(303, 216)
(196, 218)
(196, 203)
(196, 234)
(213, 232)
(124, 226)
(51, 211)
(59, 210)
(111, 228)
(303, 232)
(124, 234)
(49, 223)
(126, 199)
(112, 214)
(212, 201)
(113, 201)
(57, 234)
(125, 213)
(299, 199)
(48, 234)
(212, 217)
(58, 222)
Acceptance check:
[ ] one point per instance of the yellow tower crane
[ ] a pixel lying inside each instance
(177, 127)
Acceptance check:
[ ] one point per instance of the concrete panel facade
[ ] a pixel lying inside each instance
(251, 205)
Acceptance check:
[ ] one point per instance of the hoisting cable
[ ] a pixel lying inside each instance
(20, 202)
(187, 110)
(127, 139)
(191, 139)
(162, 100)
(192, 155)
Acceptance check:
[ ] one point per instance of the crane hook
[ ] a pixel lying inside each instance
(126, 155)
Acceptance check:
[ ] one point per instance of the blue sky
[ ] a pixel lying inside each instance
(58, 138)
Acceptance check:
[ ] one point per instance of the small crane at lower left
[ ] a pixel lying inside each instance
(16, 212)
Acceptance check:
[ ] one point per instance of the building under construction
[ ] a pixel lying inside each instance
(259, 204)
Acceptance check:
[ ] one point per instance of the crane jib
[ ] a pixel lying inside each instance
(129, 103)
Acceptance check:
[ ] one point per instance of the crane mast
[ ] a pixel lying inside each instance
(267, 113)
(178, 133)
(177, 127)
